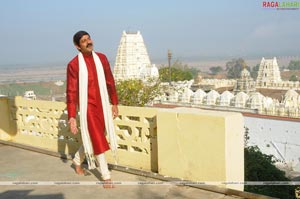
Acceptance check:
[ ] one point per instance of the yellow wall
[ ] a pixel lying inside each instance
(136, 132)
(5, 127)
(201, 145)
(186, 143)
(42, 124)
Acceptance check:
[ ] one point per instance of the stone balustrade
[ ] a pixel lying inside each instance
(186, 143)
(288, 107)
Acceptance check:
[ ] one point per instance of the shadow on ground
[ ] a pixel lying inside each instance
(24, 194)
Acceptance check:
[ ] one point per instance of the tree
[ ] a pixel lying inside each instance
(215, 69)
(260, 167)
(254, 71)
(135, 92)
(179, 65)
(177, 74)
(294, 65)
(293, 78)
(194, 71)
(234, 68)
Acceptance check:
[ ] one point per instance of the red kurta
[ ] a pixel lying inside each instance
(95, 119)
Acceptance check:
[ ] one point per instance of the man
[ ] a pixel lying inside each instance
(89, 83)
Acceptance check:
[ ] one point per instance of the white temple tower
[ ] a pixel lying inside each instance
(132, 61)
(268, 73)
(245, 84)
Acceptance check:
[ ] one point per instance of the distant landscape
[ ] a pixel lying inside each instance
(19, 74)
(16, 79)
(204, 65)
(44, 90)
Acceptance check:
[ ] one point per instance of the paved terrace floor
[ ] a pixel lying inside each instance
(18, 165)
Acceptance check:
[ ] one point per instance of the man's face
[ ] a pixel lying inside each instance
(85, 45)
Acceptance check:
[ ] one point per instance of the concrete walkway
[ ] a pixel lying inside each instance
(19, 165)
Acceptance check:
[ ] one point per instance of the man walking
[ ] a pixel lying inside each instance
(90, 84)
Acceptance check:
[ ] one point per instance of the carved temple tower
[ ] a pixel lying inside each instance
(132, 61)
(268, 73)
(245, 84)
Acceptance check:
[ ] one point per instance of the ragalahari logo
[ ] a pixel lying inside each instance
(281, 5)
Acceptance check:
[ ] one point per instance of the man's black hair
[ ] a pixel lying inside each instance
(78, 35)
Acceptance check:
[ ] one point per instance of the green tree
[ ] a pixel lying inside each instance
(194, 71)
(254, 71)
(215, 69)
(177, 74)
(260, 167)
(294, 65)
(293, 78)
(234, 68)
(135, 92)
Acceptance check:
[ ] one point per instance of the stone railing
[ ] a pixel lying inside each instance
(44, 124)
(136, 130)
(41, 124)
(186, 143)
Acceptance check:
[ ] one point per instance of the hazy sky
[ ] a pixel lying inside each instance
(41, 31)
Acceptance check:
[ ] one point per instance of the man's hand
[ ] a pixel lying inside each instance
(73, 125)
(115, 111)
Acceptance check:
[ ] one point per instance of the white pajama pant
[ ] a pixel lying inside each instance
(103, 167)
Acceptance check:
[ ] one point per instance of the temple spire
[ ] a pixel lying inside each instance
(132, 60)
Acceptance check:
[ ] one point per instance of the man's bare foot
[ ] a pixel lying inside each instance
(107, 184)
(78, 169)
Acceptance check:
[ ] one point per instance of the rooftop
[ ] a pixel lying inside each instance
(36, 146)
(49, 172)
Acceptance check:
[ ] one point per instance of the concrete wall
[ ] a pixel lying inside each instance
(136, 129)
(5, 123)
(191, 144)
(201, 145)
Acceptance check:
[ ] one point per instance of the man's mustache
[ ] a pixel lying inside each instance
(89, 45)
